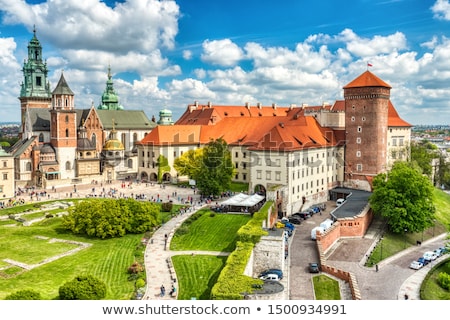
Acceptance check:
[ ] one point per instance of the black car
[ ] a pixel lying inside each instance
(303, 215)
(313, 267)
(295, 220)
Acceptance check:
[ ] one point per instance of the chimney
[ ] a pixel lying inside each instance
(274, 106)
(258, 105)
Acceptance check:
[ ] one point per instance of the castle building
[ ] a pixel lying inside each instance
(302, 152)
(62, 145)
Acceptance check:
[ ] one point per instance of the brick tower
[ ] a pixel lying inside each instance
(366, 127)
(63, 128)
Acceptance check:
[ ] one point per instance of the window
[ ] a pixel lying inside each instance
(268, 175)
(5, 164)
(38, 81)
(359, 167)
(236, 165)
(277, 176)
(394, 142)
(67, 119)
(400, 142)
(236, 154)
(244, 155)
(258, 174)
(244, 176)
(5, 176)
(358, 140)
(244, 165)
(28, 166)
(67, 133)
(68, 165)
(359, 129)
(358, 154)
(353, 119)
(41, 137)
(130, 163)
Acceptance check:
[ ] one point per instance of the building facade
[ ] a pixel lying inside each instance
(301, 152)
(63, 145)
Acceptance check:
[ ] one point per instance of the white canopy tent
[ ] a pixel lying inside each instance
(243, 200)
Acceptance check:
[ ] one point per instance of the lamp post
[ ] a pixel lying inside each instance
(406, 230)
(381, 248)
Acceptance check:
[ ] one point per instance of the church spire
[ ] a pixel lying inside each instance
(110, 100)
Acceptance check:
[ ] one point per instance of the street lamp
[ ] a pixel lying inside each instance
(381, 248)
(406, 230)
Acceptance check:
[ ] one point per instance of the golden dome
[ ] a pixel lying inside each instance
(113, 145)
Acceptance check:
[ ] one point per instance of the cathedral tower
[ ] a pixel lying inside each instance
(35, 89)
(366, 126)
(63, 127)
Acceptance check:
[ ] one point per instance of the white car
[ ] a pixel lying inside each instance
(430, 256)
(416, 265)
(270, 277)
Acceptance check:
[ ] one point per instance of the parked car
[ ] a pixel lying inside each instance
(340, 201)
(314, 232)
(278, 272)
(289, 226)
(326, 224)
(423, 261)
(303, 215)
(430, 256)
(313, 267)
(295, 220)
(270, 277)
(416, 265)
(439, 252)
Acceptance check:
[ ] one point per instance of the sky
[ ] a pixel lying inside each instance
(169, 54)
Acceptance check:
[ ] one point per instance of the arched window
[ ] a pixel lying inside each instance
(67, 117)
(68, 165)
(94, 140)
(28, 166)
(41, 137)
(67, 133)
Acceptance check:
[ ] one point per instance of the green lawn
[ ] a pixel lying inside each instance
(197, 275)
(430, 289)
(215, 232)
(326, 288)
(105, 259)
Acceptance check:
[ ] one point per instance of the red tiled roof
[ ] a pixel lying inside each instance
(367, 79)
(172, 135)
(394, 119)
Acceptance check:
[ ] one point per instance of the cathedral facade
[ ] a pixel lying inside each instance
(62, 145)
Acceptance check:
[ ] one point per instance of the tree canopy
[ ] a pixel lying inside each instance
(109, 218)
(85, 287)
(211, 167)
(404, 197)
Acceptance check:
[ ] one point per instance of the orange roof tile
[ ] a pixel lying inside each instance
(367, 79)
(394, 119)
(172, 135)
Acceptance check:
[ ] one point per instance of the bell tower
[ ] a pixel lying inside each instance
(63, 127)
(366, 127)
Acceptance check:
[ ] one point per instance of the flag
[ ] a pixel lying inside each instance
(369, 64)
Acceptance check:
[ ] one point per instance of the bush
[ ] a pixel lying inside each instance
(444, 280)
(166, 206)
(24, 295)
(83, 288)
(136, 267)
(140, 283)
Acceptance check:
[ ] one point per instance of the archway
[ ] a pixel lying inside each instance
(260, 189)
(144, 177)
(153, 177)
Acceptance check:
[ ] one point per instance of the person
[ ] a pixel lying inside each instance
(163, 291)
(172, 292)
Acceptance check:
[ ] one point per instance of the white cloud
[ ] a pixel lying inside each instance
(221, 52)
(187, 54)
(441, 9)
(139, 24)
(364, 47)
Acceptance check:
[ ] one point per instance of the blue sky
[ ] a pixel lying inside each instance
(168, 54)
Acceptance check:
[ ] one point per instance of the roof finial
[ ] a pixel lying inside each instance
(34, 29)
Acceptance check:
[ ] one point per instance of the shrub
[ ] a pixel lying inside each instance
(136, 267)
(24, 295)
(444, 280)
(166, 206)
(83, 288)
(140, 283)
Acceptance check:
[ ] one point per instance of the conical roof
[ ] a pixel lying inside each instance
(62, 88)
(367, 79)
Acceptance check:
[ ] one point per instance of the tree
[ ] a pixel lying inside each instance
(163, 167)
(422, 153)
(189, 163)
(24, 295)
(109, 218)
(216, 168)
(404, 197)
(83, 288)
